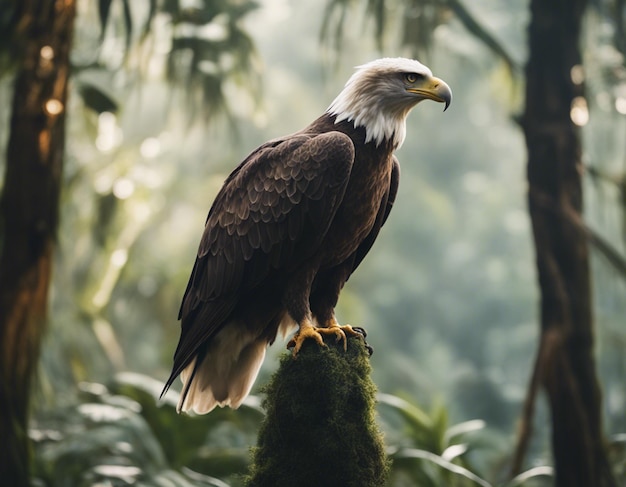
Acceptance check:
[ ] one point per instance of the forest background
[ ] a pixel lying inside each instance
(448, 295)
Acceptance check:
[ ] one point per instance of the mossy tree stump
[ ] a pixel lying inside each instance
(320, 427)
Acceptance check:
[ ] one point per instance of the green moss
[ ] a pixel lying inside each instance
(320, 428)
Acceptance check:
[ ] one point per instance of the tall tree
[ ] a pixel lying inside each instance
(565, 364)
(29, 212)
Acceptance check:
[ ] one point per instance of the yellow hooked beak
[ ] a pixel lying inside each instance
(433, 88)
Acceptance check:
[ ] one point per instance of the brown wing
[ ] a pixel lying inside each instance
(381, 217)
(271, 214)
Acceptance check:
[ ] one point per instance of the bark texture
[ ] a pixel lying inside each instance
(565, 364)
(29, 209)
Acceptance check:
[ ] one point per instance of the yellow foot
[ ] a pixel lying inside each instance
(308, 330)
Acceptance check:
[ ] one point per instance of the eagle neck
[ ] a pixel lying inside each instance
(380, 124)
(357, 133)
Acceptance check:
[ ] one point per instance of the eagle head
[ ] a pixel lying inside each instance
(380, 94)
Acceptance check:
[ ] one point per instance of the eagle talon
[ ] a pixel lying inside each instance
(363, 335)
(341, 332)
(360, 331)
(307, 330)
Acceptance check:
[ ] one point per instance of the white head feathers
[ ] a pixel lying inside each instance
(377, 97)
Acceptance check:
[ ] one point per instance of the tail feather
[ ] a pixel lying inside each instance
(226, 372)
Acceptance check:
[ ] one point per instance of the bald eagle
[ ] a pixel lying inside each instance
(289, 226)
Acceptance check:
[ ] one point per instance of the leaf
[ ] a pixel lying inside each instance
(461, 429)
(220, 461)
(544, 471)
(454, 451)
(182, 436)
(99, 441)
(128, 22)
(413, 453)
(419, 423)
(440, 425)
(171, 478)
(104, 8)
(96, 99)
(126, 473)
(200, 479)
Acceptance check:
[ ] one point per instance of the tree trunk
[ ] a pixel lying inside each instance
(565, 364)
(29, 213)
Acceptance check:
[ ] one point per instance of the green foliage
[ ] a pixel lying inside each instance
(617, 455)
(320, 427)
(201, 49)
(104, 9)
(432, 453)
(320, 430)
(416, 21)
(121, 434)
(210, 49)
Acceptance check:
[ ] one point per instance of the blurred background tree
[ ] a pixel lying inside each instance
(448, 296)
(554, 111)
(29, 210)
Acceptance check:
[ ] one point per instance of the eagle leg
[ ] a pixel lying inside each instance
(332, 328)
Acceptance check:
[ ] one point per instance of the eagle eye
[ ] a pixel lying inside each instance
(412, 77)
